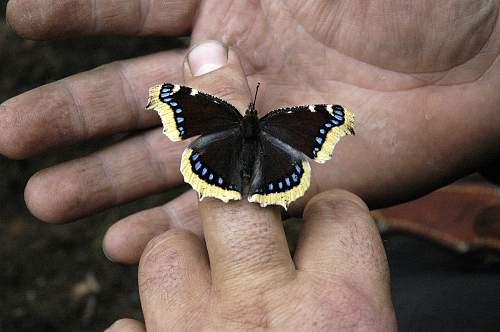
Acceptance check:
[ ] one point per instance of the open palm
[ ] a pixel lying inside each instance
(422, 79)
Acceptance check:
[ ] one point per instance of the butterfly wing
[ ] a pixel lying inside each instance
(281, 174)
(212, 166)
(187, 112)
(313, 129)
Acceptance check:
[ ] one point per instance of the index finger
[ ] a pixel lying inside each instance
(45, 19)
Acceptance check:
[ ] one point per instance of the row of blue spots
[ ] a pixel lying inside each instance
(204, 172)
(165, 97)
(165, 91)
(285, 184)
(336, 120)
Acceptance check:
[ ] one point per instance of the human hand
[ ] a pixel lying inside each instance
(413, 87)
(245, 280)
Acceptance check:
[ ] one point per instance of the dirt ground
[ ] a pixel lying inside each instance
(55, 277)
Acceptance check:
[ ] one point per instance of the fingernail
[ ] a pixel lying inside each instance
(206, 57)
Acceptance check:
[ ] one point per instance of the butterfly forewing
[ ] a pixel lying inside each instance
(312, 129)
(187, 112)
(212, 166)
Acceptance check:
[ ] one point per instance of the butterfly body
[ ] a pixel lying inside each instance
(249, 131)
(244, 156)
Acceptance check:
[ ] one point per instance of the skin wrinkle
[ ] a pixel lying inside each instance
(127, 91)
(161, 170)
(145, 11)
(85, 130)
(95, 20)
(402, 72)
(113, 192)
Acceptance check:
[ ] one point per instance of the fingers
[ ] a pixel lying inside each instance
(226, 80)
(142, 165)
(173, 275)
(44, 19)
(102, 101)
(126, 325)
(339, 239)
(246, 244)
(125, 241)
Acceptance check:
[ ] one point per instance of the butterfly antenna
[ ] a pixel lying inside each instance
(255, 97)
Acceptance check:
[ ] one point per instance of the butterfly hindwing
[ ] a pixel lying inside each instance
(186, 112)
(212, 166)
(312, 129)
(281, 174)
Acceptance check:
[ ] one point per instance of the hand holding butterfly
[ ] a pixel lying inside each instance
(425, 97)
(243, 278)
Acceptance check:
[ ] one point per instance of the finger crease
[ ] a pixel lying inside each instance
(95, 19)
(161, 170)
(127, 92)
(145, 11)
(170, 214)
(109, 178)
(85, 130)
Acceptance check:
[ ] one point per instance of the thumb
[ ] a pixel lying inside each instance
(212, 67)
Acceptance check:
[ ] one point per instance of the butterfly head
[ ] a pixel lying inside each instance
(251, 107)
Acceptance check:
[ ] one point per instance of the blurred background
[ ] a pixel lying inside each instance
(55, 277)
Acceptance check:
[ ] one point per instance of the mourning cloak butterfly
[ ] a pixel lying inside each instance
(263, 159)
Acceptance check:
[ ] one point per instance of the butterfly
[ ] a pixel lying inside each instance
(263, 159)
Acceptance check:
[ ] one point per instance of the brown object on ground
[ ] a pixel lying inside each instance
(462, 216)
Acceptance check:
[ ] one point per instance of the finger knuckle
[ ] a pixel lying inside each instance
(337, 203)
(162, 263)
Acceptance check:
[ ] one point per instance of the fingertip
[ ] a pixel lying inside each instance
(205, 57)
(22, 17)
(125, 241)
(45, 195)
